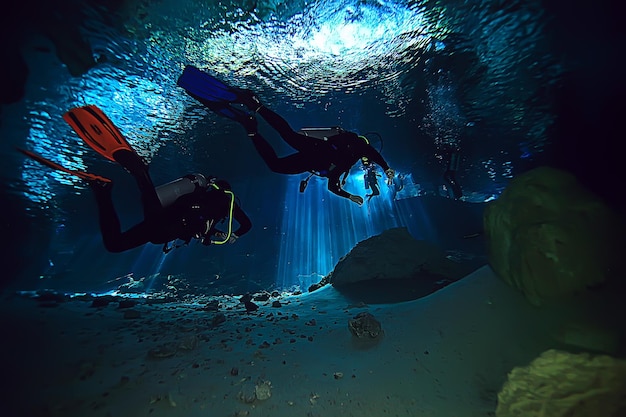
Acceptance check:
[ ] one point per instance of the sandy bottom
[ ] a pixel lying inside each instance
(446, 354)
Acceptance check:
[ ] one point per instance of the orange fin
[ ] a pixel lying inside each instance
(80, 174)
(97, 130)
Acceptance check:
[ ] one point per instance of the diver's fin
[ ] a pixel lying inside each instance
(97, 130)
(80, 174)
(205, 86)
(226, 110)
(215, 95)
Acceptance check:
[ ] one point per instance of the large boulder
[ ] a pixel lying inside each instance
(394, 254)
(560, 384)
(548, 236)
(394, 266)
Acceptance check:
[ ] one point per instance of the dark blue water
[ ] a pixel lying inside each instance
(507, 85)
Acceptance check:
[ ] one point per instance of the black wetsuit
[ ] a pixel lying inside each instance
(192, 215)
(371, 181)
(452, 156)
(328, 158)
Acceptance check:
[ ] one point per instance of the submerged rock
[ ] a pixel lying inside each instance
(559, 384)
(394, 266)
(365, 329)
(394, 254)
(548, 236)
(263, 390)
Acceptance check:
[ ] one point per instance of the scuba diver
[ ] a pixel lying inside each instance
(397, 185)
(370, 177)
(188, 208)
(452, 157)
(326, 152)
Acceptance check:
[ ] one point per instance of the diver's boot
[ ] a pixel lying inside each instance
(132, 162)
(138, 168)
(249, 123)
(101, 189)
(250, 100)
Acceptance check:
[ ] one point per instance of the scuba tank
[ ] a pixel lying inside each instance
(320, 132)
(168, 193)
(324, 133)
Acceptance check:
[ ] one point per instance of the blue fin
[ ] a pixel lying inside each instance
(200, 84)
(212, 93)
(231, 112)
(224, 108)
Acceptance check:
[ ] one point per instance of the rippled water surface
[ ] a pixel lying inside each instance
(474, 76)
